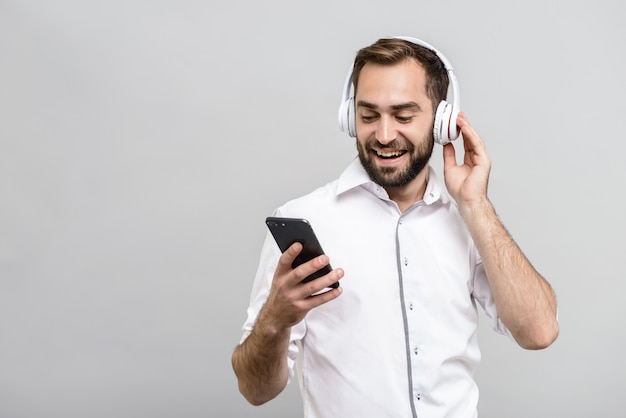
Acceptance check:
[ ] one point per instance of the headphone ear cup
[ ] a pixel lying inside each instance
(342, 116)
(444, 128)
(453, 129)
(351, 115)
(438, 127)
(347, 117)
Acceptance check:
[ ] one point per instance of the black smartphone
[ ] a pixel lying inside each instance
(286, 231)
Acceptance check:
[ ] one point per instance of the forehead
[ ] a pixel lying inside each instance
(396, 82)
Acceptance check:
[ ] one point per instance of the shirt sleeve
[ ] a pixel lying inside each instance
(484, 296)
(270, 253)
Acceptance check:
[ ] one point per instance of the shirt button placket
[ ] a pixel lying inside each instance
(410, 305)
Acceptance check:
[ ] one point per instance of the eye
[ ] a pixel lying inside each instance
(404, 119)
(368, 118)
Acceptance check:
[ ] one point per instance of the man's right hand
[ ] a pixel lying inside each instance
(260, 362)
(290, 299)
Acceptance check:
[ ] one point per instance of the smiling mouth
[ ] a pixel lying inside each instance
(389, 154)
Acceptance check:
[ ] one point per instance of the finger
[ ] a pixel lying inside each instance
(306, 269)
(461, 120)
(323, 282)
(449, 156)
(321, 298)
(316, 292)
(470, 136)
(474, 146)
(286, 259)
(299, 273)
(471, 139)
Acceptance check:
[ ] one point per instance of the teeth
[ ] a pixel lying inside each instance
(390, 154)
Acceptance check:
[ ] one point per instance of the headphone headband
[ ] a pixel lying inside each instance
(445, 129)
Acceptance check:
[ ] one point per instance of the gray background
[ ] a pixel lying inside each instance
(142, 144)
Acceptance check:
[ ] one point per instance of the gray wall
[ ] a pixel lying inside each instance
(142, 144)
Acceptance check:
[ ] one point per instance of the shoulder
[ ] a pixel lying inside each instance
(322, 196)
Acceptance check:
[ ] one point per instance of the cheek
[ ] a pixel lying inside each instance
(422, 129)
(360, 143)
(364, 129)
(365, 132)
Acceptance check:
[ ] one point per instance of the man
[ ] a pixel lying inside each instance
(398, 337)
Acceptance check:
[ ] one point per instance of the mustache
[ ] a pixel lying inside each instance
(398, 144)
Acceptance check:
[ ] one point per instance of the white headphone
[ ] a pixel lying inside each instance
(444, 129)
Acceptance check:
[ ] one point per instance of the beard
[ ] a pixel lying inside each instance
(396, 176)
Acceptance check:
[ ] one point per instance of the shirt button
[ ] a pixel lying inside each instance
(418, 396)
(411, 306)
(406, 261)
(416, 350)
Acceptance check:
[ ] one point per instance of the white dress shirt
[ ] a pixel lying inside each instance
(401, 341)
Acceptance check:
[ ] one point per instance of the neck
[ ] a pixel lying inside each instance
(411, 193)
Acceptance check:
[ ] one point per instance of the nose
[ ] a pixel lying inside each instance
(386, 131)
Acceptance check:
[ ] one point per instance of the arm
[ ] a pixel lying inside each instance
(260, 362)
(525, 301)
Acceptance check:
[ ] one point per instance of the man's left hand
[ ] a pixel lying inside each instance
(467, 182)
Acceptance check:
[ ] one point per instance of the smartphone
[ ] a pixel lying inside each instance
(286, 231)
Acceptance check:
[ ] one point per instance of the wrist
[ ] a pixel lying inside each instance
(267, 326)
(476, 207)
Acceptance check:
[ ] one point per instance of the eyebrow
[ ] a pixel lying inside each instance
(401, 106)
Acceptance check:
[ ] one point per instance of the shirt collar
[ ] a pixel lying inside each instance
(355, 175)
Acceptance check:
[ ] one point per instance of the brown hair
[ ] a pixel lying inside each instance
(388, 51)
